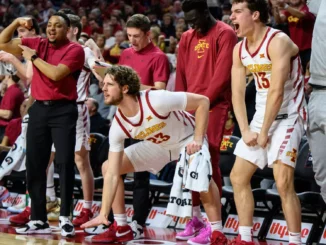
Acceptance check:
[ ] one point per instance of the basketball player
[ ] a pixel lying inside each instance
(273, 136)
(160, 119)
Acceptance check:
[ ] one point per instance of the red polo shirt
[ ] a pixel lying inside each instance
(301, 29)
(150, 63)
(70, 54)
(11, 101)
(13, 130)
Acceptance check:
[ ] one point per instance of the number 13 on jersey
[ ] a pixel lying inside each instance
(262, 81)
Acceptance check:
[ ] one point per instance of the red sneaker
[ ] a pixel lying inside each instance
(84, 216)
(115, 234)
(22, 218)
(237, 241)
(218, 238)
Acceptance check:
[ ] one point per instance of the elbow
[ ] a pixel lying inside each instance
(8, 115)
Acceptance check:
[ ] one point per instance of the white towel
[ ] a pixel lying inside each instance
(180, 201)
(192, 173)
(15, 159)
(200, 171)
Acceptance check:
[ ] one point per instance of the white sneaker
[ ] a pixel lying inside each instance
(137, 230)
(4, 193)
(67, 228)
(18, 208)
(35, 227)
(97, 229)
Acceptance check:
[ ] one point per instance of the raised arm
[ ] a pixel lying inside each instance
(12, 45)
(281, 50)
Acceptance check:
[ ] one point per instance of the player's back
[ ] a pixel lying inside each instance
(260, 65)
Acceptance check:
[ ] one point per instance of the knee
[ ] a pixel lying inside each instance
(104, 167)
(284, 186)
(238, 180)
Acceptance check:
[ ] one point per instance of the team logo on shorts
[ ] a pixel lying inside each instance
(292, 154)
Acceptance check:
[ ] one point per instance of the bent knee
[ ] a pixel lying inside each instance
(104, 167)
(237, 179)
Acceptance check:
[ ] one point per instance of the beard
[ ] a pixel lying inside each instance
(115, 101)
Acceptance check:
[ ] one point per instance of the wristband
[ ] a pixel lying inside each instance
(34, 57)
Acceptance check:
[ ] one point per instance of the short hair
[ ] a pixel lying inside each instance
(64, 16)
(139, 21)
(75, 22)
(125, 75)
(200, 5)
(257, 5)
(15, 78)
(67, 11)
(94, 103)
(35, 25)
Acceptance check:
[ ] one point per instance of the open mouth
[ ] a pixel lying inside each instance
(236, 26)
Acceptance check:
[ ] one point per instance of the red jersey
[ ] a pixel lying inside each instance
(204, 63)
(11, 101)
(70, 54)
(13, 130)
(151, 64)
(301, 29)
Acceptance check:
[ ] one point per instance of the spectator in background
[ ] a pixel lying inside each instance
(157, 38)
(100, 42)
(177, 10)
(152, 16)
(15, 10)
(300, 22)
(215, 8)
(179, 30)
(316, 108)
(167, 26)
(95, 27)
(109, 37)
(115, 24)
(86, 27)
(98, 123)
(10, 103)
(112, 55)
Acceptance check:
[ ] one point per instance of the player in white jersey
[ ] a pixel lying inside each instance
(273, 136)
(82, 146)
(160, 119)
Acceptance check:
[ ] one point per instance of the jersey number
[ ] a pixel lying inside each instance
(159, 138)
(264, 81)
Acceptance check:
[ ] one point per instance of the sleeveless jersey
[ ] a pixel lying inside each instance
(83, 80)
(169, 129)
(260, 65)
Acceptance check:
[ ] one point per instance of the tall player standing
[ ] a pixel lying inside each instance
(275, 132)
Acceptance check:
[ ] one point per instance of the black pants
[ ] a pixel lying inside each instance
(50, 123)
(305, 58)
(140, 198)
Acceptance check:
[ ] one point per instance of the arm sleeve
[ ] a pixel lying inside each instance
(116, 137)
(89, 58)
(70, 58)
(31, 42)
(180, 80)
(222, 75)
(161, 69)
(173, 101)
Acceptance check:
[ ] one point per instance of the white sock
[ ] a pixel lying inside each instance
(216, 226)
(50, 191)
(196, 212)
(295, 238)
(121, 219)
(88, 204)
(245, 233)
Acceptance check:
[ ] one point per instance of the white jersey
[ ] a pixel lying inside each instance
(83, 80)
(260, 65)
(161, 119)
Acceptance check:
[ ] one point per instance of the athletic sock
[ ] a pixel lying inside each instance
(88, 204)
(121, 219)
(216, 226)
(245, 233)
(295, 238)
